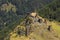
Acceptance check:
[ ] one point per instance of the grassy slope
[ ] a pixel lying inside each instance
(32, 36)
(56, 26)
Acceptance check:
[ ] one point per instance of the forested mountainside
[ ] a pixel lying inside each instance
(25, 6)
(51, 11)
(12, 12)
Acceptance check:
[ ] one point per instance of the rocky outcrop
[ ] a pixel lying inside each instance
(32, 21)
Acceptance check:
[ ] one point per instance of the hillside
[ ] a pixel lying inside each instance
(34, 35)
(36, 30)
(14, 13)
